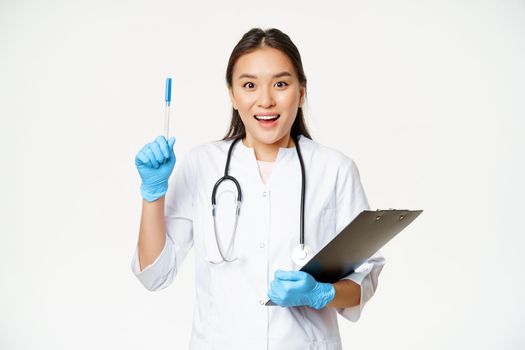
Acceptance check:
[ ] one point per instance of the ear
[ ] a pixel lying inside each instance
(301, 96)
(232, 98)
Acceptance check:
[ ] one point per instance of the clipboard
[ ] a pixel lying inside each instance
(357, 242)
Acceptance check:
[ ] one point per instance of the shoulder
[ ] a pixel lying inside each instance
(197, 160)
(327, 156)
(209, 149)
(202, 157)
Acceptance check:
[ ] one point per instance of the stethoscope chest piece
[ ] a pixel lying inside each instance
(301, 255)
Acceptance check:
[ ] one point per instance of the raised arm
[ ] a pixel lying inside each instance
(152, 234)
(155, 163)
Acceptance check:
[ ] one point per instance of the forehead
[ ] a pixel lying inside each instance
(263, 63)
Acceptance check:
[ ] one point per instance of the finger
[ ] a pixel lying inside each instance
(274, 297)
(276, 292)
(163, 145)
(290, 275)
(277, 288)
(142, 159)
(151, 156)
(157, 152)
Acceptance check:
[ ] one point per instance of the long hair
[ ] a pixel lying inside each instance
(256, 38)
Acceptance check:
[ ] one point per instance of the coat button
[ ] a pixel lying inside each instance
(261, 302)
(264, 194)
(261, 245)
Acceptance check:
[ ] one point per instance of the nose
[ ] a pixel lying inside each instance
(265, 98)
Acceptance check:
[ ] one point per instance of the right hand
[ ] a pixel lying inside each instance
(152, 169)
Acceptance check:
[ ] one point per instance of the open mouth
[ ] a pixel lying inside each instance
(267, 118)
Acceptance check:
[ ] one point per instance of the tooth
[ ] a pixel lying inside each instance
(266, 117)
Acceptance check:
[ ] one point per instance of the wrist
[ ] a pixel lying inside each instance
(326, 293)
(152, 193)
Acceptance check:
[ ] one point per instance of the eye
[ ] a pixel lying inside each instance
(244, 85)
(282, 82)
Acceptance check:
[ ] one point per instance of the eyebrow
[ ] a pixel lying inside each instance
(278, 75)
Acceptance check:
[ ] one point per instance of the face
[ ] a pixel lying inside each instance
(266, 93)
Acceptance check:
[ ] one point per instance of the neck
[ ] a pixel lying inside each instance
(267, 152)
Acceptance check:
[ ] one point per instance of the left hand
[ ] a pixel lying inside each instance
(296, 288)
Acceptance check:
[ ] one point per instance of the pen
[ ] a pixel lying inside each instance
(167, 99)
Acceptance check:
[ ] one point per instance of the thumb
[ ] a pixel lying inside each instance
(171, 141)
(289, 275)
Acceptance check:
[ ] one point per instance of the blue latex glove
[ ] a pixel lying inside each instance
(295, 288)
(153, 170)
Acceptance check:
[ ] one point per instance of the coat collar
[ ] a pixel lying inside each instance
(284, 153)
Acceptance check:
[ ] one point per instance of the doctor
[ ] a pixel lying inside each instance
(242, 261)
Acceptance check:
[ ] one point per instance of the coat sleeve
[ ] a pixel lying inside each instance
(179, 236)
(351, 201)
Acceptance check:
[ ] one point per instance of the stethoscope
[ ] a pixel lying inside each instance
(300, 255)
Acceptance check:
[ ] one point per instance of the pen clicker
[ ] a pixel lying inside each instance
(167, 99)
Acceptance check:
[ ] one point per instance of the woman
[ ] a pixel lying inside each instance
(242, 263)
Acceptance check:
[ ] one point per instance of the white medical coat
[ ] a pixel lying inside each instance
(229, 311)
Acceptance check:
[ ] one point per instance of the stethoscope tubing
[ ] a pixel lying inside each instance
(239, 199)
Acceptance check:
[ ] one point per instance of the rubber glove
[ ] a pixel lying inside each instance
(295, 288)
(155, 162)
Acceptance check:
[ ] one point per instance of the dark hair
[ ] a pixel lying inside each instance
(256, 38)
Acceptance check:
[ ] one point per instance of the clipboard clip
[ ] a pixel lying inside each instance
(378, 217)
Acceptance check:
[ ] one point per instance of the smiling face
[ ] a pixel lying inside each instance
(266, 92)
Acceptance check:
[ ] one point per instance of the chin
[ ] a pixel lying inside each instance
(267, 137)
(270, 139)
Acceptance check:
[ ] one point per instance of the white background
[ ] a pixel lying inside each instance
(426, 96)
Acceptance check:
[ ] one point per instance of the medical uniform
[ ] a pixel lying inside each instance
(229, 310)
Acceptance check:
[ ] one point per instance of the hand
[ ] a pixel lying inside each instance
(295, 288)
(155, 162)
